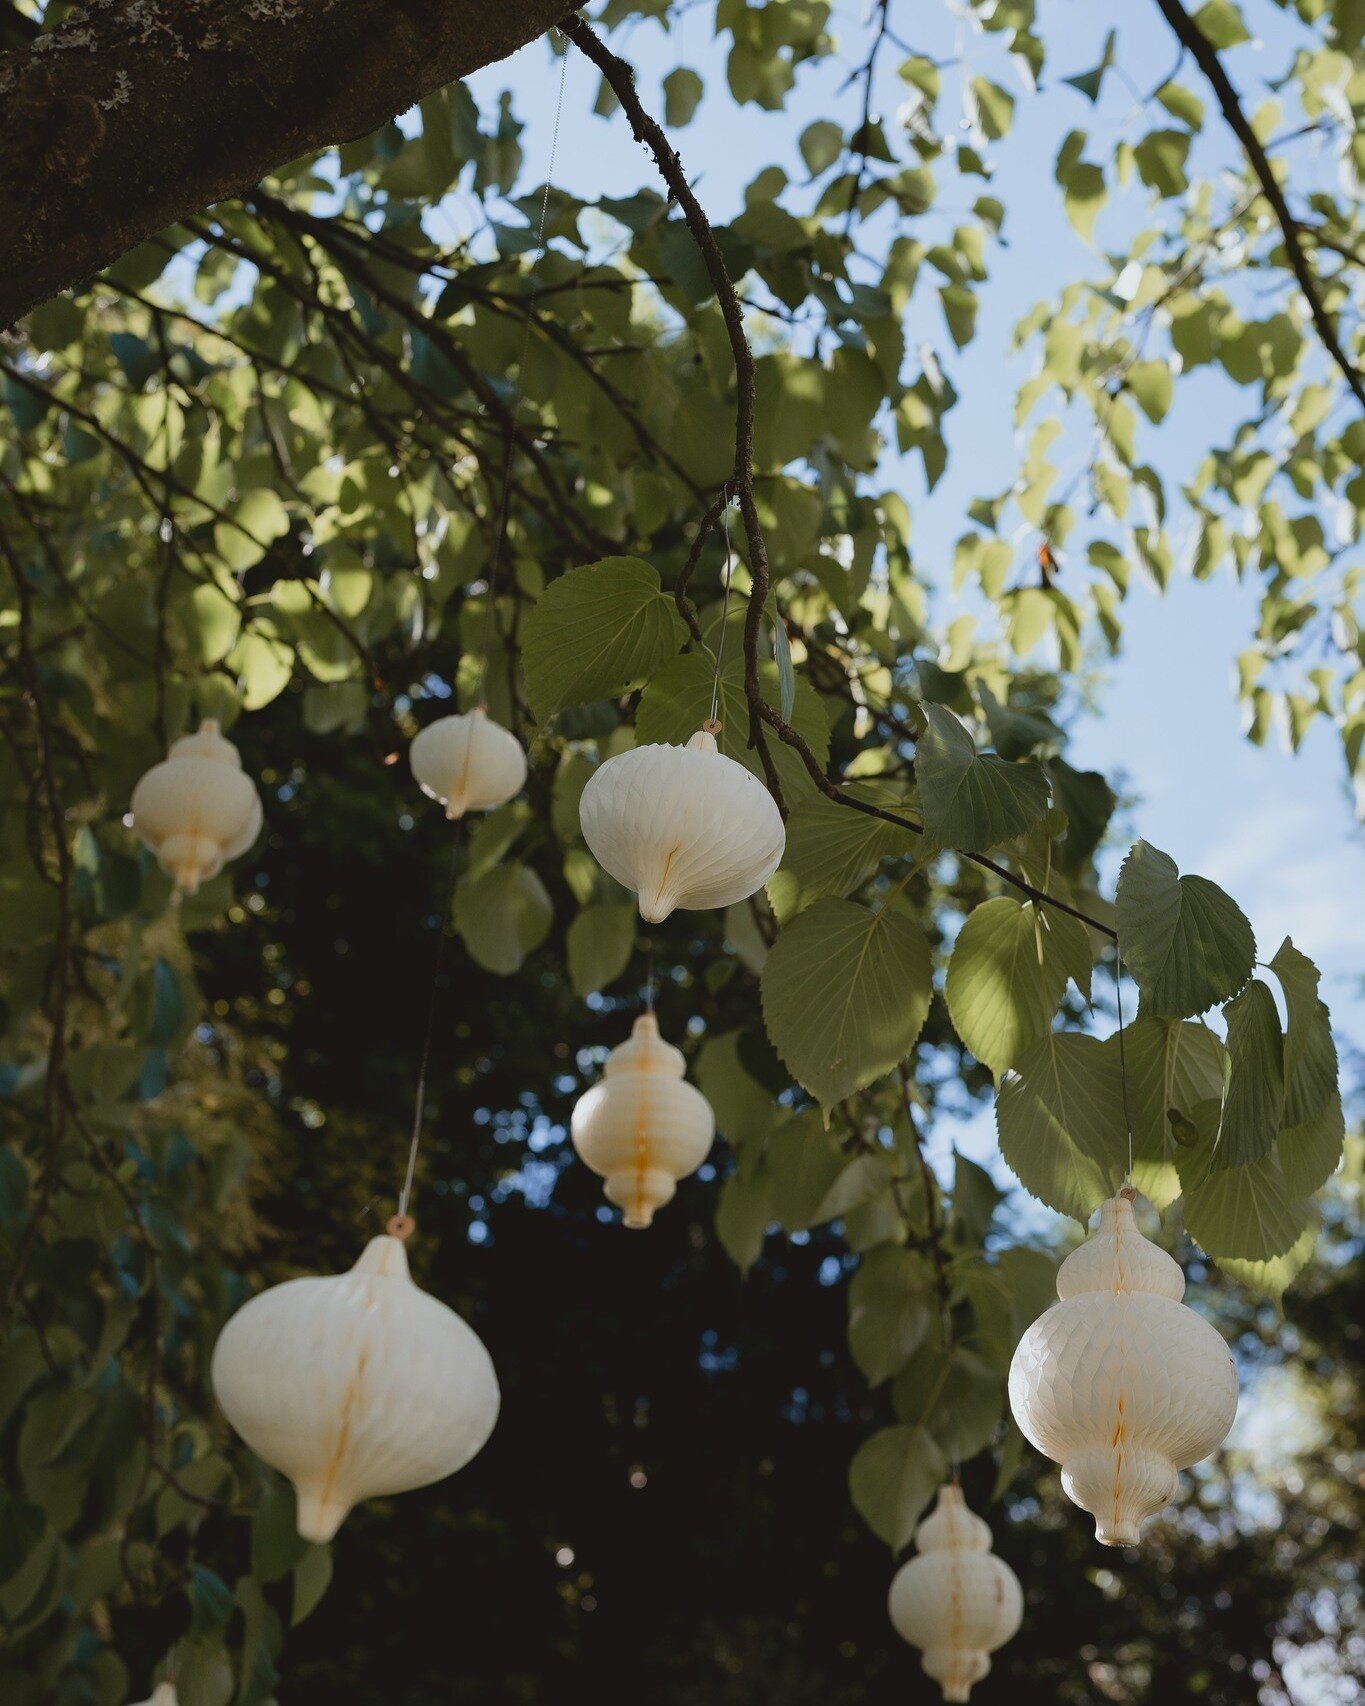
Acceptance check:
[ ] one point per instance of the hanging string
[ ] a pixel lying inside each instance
(1123, 1061)
(500, 534)
(401, 1224)
(649, 976)
(724, 609)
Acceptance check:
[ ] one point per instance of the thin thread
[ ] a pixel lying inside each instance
(725, 607)
(420, 1108)
(504, 500)
(1123, 1060)
(649, 977)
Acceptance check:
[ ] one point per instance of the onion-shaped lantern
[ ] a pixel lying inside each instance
(469, 763)
(197, 808)
(682, 826)
(643, 1128)
(1120, 1382)
(162, 1695)
(355, 1385)
(955, 1600)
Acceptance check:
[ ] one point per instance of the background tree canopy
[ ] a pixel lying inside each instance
(259, 467)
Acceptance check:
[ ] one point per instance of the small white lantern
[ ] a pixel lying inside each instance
(469, 763)
(682, 826)
(162, 1695)
(1120, 1382)
(643, 1128)
(356, 1385)
(197, 808)
(955, 1600)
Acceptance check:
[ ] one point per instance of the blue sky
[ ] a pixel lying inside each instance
(1276, 829)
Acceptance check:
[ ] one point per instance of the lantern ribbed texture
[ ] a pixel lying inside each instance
(1120, 1382)
(642, 1128)
(197, 808)
(469, 763)
(682, 826)
(956, 1600)
(355, 1385)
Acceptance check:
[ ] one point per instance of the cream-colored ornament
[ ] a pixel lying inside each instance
(643, 1128)
(469, 763)
(162, 1695)
(355, 1386)
(198, 808)
(683, 826)
(955, 1599)
(1120, 1382)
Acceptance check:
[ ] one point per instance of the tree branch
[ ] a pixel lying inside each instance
(1206, 56)
(621, 78)
(129, 117)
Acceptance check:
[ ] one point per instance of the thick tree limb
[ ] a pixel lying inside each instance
(1205, 55)
(136, 113)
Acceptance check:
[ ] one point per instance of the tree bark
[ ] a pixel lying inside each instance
(135, 113)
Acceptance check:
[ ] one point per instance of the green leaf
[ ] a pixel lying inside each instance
(742, 1218)
(1310, 1153)
(1220, 21)
(1186, 942)
(1152, 385)
(683, 89)
(503, 916)
(955, 1394)
(782, 656)
(1246, 1212)
(1172, 1064)
(845, 994)
(1255, 1096)
(833, 849)
(971, 801)
(803, 1161)
(1005, 980)
(1060, 1119)
(599, 944)
(312, 1576)
(596, 633)
(1299, 979)
(892, 1478)
(1088, 801)
(678, 700)
(1275, 1275)
(891, 1305)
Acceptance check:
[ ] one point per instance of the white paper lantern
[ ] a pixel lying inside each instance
(682, 826)
(469, 763)
(355, 1385)
(643, 1128)
(955, 1600)
(197, 808)
(162, 1695)
(1120, 1382)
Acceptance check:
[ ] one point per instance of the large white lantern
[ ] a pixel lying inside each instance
(197, 808)
(682, 826)
(1120, 1382)
(643, 1128)
(955, 1600)
(469, 763)
(356, 1385)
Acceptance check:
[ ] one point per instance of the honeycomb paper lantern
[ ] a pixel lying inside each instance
(197, 808)
(955, 1600)
(1120, 1382)
(643, 1128)
(682, 826)
(469, 763)
(355, 1385)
